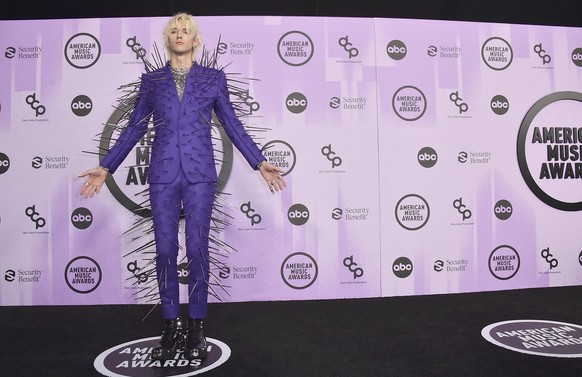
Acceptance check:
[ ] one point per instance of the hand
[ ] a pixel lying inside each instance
(272, 175)
(92, 186)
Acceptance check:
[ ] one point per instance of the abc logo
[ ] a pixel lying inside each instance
(334, 102)
(81, 105)
(4, 163)
(82, 218)
(337, 213)
(499, 104)
(577, 56)
(503, 209)
(396, 50)
(298, 214)
(580, 258)
(402, 267)
(296, 102)
(183, 273)
(427, 157)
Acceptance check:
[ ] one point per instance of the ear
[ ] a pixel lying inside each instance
(196, 43)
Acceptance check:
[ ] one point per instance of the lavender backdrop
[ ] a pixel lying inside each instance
(400, 140)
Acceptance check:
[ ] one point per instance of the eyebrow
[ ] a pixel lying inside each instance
(178, 28)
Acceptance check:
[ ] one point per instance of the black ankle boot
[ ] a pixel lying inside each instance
(172, 340)
(195, 340)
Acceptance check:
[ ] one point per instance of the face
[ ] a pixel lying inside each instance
(181, 40)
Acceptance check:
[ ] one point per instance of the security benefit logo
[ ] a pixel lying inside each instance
(451, 265)
(50, 162)
(22, 275)
(549, 150)
(536, 337)
(133, 359)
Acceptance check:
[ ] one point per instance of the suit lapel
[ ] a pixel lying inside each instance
(189, 96)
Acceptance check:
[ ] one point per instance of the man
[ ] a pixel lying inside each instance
(179, 99)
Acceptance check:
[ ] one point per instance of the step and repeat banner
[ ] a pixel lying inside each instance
(422, 157)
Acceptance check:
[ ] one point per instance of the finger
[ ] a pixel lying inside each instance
(85, 173)
(84, 188)
(88, 191)
(279, 182)
(282, 183)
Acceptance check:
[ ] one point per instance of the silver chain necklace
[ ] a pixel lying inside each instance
(180, 76)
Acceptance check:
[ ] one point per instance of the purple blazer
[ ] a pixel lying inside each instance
(182, 129)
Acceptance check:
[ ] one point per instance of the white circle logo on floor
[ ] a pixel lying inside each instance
(537, 337)
(133, 359)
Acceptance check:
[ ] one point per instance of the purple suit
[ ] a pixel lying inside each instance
(182, 173)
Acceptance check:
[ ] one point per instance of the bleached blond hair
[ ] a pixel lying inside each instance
(191, 26)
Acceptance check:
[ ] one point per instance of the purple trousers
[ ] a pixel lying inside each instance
(169, 202)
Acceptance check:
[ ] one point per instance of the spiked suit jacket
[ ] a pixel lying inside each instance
(182, 128)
